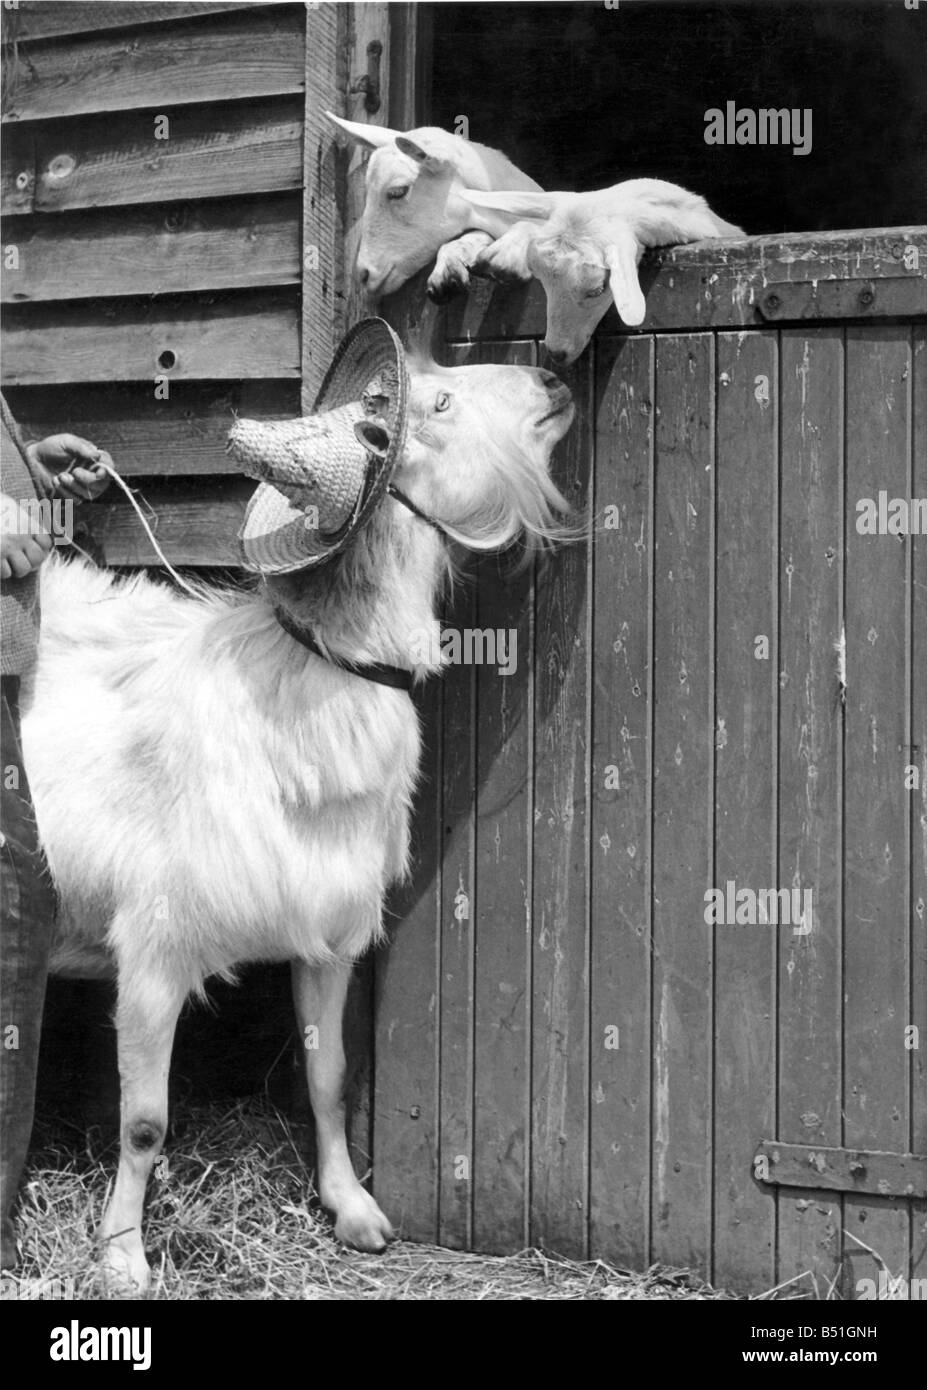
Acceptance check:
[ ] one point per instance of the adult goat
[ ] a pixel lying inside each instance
(235, 796)
(413, 212)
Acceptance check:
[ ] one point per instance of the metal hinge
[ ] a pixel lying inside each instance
(369, 83)
(841, 1170)
(876, 298)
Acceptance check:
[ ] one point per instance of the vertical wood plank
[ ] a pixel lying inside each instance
(917, 1002)
(323, 257)
(502, 911)
(810, 758)
(745, 799)
(561, 857)
(876, 802)
(682, 798)
(364, 24)
(406, 1115)
(458, 906)
(458, 917)
(620, 947)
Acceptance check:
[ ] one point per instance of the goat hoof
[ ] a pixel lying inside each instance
(440, 291)
(125, 1272)
(363, 1226)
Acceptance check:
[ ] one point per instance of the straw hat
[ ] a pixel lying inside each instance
(319, 480)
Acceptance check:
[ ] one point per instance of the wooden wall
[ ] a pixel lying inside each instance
(144, 258)
(574, 813)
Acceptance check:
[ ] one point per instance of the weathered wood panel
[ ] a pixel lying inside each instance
(620, 838)
(323, 260)
(156, 251)
(17, 171)
(917, 757)
(194, 524)
(713, 701)
(251, 334)
(52, 19)
(726, 284)
(212, 151)
(182, 436)
(501, 921)
(368, 23)
(560, 966)
(256, 53)
(745, 738)
(876, 803)
(810, 776)
(682, 800)
(459, 899)
(406, 1105)
(457, 914)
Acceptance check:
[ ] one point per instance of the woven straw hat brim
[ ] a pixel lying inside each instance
(277, 536)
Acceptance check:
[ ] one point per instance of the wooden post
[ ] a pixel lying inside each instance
(323, 242)
(365, 24)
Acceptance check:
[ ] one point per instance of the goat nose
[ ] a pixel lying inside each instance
(558, 355)
(550, 380)
(363, 275)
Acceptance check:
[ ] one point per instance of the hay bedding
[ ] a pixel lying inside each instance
(235, 1217)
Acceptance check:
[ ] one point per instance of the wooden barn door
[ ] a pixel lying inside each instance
(724, 682)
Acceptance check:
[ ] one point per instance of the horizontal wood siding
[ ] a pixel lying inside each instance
(53, 19)
(150, 265)
(255, 52)
(241, 148)
(608, 1062)
(111, 253)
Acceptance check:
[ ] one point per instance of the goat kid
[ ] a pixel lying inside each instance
(580, 245)
(237, 798)
(413, 211)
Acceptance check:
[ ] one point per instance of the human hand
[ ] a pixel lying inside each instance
(70, 466)
(24, 542)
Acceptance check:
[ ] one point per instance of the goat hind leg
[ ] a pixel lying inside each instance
(146, 1017)
(319, 992)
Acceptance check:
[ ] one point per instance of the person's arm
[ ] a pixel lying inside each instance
(24, 543)
(67, 466)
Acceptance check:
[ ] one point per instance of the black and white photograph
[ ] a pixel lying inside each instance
(464, 664)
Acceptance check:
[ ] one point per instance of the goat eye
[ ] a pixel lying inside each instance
(442, 401)
(394, 194)
(595, 294)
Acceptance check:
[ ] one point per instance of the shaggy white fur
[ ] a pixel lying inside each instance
(228, 796)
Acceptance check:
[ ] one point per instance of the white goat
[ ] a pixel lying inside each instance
(413, 211)
(234, 797)
(581, 244)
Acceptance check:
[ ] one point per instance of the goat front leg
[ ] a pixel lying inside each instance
(506, 258)
(146, 1017)
(319, 992)
(451, 274)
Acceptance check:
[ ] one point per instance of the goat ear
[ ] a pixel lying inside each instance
(534, 206)
(374, 437)
(429, 163)
(622, 257)
(372, 137)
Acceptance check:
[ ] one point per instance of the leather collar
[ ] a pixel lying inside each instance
(375, 671)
